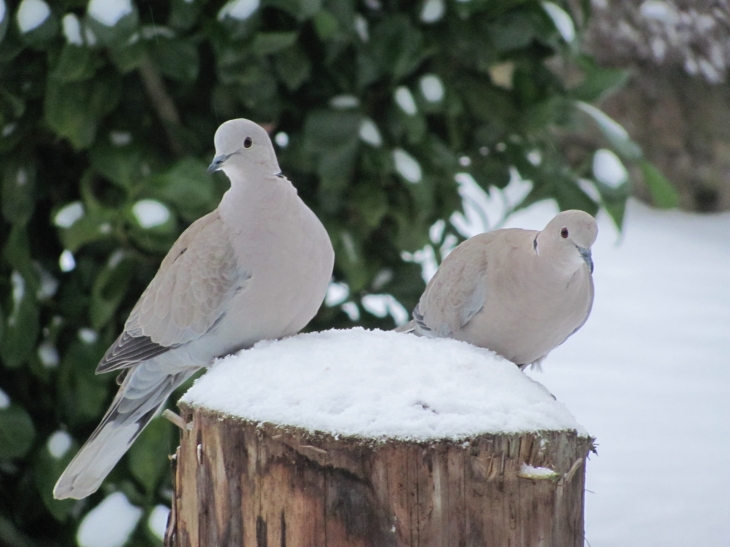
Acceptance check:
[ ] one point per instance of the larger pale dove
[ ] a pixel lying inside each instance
(520, 293)
(256, 268)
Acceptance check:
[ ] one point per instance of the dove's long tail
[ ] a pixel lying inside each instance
(407, 327)
(144, 390)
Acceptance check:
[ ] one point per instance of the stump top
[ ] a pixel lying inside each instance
(377, 384)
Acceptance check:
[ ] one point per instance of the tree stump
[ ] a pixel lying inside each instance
(375, 439)
(239, 483)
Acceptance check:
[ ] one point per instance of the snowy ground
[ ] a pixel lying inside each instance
(649, 376)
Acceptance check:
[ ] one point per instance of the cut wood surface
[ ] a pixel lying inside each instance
(240, 483)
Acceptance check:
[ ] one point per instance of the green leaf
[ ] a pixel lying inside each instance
(75, 64)
(299, 9)
(16, 432)
(82, 394)
(293, 67)
(122, 165)
(97, 224)
(74, 110)
(147, 456)
(41, 34)
(662, 192)
(176, 59)
(184, 14)
(332, 137)
(616, 135)
(18, 191)
(129, 57)
(266, 43)
(598, 82)
(47, 469)
(515, 30)
(21, 333)
(120, 34)
(187, 187)
(109, 288)
(397, 46)
(326, 25)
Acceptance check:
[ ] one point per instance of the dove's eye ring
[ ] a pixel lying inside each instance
(247, 142)
(564, 233)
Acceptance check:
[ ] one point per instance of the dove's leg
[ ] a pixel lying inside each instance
(144, 390)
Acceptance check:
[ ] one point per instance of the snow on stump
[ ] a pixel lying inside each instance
(375, 439)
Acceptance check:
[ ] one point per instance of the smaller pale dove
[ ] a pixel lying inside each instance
(520, 293)
(256, 268)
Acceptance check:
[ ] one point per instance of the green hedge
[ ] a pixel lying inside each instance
(101, 119)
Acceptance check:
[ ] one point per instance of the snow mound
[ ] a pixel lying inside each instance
(377, 384)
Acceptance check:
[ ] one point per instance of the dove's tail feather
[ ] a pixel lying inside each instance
(144, 391)
(410, 327)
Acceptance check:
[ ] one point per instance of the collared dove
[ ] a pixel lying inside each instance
(256, 268)
(520, 293)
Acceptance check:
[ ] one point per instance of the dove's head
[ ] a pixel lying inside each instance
(568, 239)
(243, 146)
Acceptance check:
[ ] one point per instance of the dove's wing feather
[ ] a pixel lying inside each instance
(457, 291)
(184, 300)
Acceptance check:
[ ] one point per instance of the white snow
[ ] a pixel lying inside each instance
(150, 213)
(110, 523)
(238, 9)
(352, 311)
(381, 305)
(21, 177)
(404, 98)
(2, 10)
(659, 10)
(18, 283)
(561, 20)
(72, 29)
(432, 88)
(120, 138)
(432, 11)
(31, 14)
(48, 354)
(58, 444)
(157, 521)
(4, 400)
(66, 262)
(407, 166)
(109, 12)
(379, 384)
(361, 27)
(87, 335)
(648, 375)
(337, 293)
(608, 168)
(342, 102)
(8, 129)
(48, 284)
(89, 35)
(281, 139)
(530, 472)
(369, 133)
(68, 214)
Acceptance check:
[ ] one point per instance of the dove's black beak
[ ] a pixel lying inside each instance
(586, 255)
(217, 163)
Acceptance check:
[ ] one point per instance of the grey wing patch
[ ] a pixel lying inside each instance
(473, 303)
(421, 325)
(129, 350)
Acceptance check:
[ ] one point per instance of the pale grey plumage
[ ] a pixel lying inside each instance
(519, 293)
(256, 268)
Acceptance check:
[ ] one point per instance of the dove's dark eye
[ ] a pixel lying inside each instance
(564, 233)
(247, 143)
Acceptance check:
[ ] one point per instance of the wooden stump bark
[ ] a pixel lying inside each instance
(239, 483)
